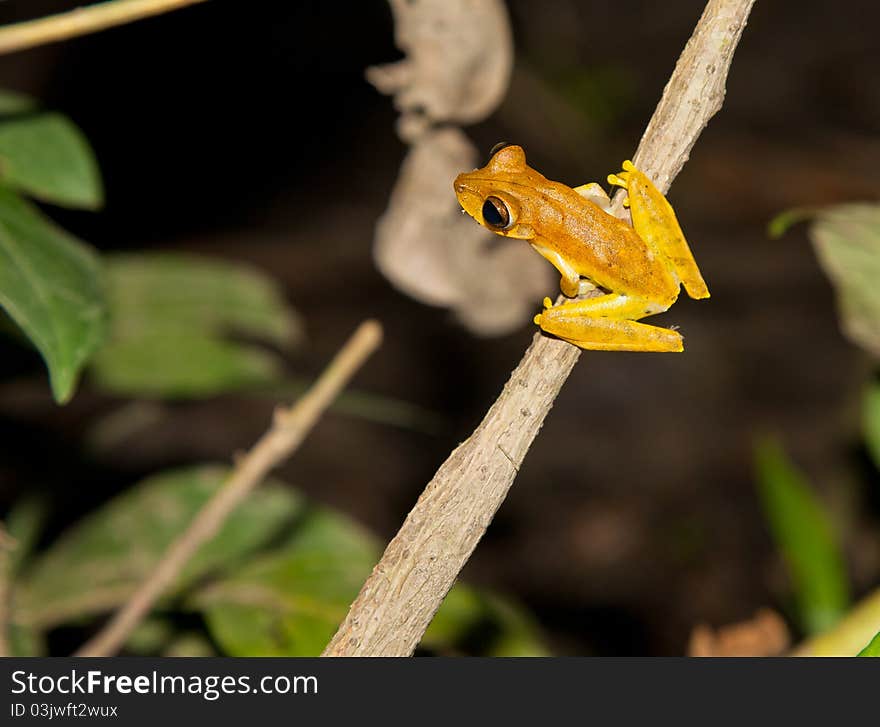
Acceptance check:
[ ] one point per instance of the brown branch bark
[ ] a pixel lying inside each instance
(289, 428)
(420, 565)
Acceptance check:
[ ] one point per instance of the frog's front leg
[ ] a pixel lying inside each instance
(605, 323)
(654, 219)
(570, 283)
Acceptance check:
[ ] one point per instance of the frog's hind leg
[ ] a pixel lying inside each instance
(654, 220)
(605, 323)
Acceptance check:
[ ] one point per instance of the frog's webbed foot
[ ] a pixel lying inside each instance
(655, 222)
(605, 323)
(622, 179)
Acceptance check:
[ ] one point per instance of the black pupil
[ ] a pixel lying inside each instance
(495, 213)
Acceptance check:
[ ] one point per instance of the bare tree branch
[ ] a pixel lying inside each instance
(289, 428)
(421, 563)
(81, 21)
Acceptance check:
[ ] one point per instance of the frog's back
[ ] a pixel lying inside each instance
(608, 251)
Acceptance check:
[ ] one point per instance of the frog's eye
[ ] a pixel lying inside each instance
(496, 215)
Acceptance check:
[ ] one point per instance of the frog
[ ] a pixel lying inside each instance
(628, 271)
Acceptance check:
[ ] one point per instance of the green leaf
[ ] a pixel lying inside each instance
(179, 366)
(847, 243)
(26, 641)
(177, 321)
(517, 632)
(50, 285)
(13, 102)
(24, 524)
(497, 625)
(462, 612)
(872, 649)
(871, 421)
(150, 637)
(46, 156)
(290, 602)
(784, 221)
(190, 644)
(804, 535)
(96, 564)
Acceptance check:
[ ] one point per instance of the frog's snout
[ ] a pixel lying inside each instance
(468, 196)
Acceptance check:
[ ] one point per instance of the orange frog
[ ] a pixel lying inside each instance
(638, 269)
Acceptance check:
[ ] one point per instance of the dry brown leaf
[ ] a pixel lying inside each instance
(457, 70)
(429, 250)
(765, 634)
(458, 64)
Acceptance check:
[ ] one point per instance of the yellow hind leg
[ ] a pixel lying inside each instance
(655, 221)
(605, 323)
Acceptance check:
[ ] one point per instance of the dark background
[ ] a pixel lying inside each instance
(246, 130)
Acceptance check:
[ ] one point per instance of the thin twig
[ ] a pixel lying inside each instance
(289, 427)
(81, 21)
(421, 563)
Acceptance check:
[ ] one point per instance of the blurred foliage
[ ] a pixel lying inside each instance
(46, 157)
(846, 238)
(804, 534)
(780, 224)
(96, 564)
(24, 524)
(276, 580)
(50, 282)
(872, 649)
(601, 94)
(469, 615)
(12, 102)
(288, 602)
(280, 574)
(871, 421)
(847, 242)
(182, 326)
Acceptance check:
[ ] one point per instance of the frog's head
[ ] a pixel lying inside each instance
(497, 196)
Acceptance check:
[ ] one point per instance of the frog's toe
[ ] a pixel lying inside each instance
(622, 179)
(617, 181)
(548, 304)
